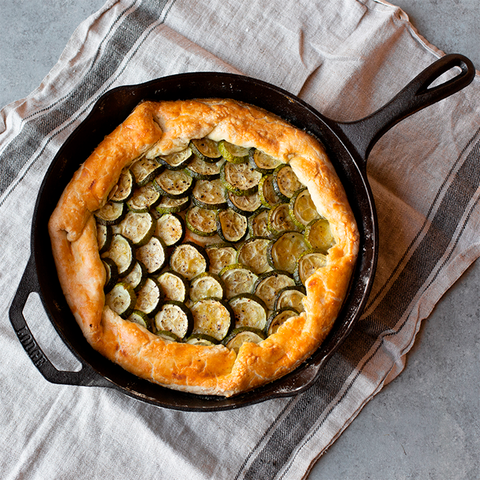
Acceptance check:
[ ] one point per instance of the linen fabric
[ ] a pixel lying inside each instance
(346, 58)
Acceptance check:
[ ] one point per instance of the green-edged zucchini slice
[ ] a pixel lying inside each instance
(209, 194)
(244, 204)
(174, 317)
(137, 277)
(173, 183)
(201, 221)
(279, 317)
(285, 182)
(121, 299)
(189, 260)
(262, 162)
(205, 149)
(290, 297)
(166, 336)
(104, 237)
(172, 205)
(242, 335)
(279, 220)
(111, 213)
(174, 286)
(233, 153)
(285, 250)
(231, 226)
(240, 178)
(176, 161)
(202, 170)
(238, 279)
(149, 297)
(206, 285)
(253, 253)
(138, 227)
(111, 271)
(145, 170)
(123, 190)
(121, 252)
(302, 208)
(258, 223)
(201, 340)
(318, 235)
(170, 228)
(220, 255)
(307, 264)
(140, 318)
(213, 317)
(143, 198)
(249, 311)
(153, 255)
(268, 196)
(269, 284)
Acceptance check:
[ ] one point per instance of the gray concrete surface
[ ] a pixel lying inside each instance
(425, 425)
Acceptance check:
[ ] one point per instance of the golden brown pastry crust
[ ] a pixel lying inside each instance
(162, 128)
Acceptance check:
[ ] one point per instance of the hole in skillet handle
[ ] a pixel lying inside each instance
(361, 135)
(84, 377)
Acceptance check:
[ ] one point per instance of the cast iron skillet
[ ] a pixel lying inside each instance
(348, 146)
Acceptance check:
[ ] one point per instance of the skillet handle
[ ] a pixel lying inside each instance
(84, 377)
(364, 133)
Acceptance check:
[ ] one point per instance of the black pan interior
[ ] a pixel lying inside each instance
(109, 112)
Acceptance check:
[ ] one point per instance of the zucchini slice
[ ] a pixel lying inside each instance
(285, 250)
(104, 237)
(149, 297)
(238, 279)
(244, 204)
(240, 178)
(201, 340)
(121, 299)
(201, 170)
(213, 317)
(189, 260)
(205, 149)
(172, 205)
(262, 162)
(201, 221)
(166, 336)
(279, 220)
(269, 284)
(268, 196)
(231, 226)
(153, 255)
(170, 228)
(173, 183)
(279, 317)
(123, 190)
(111, 213)
(258, 223)
(145, 170)
(174, 317)
(138, 227)
(302, 209)
(318, 235)
(174, 286)
(176, 161)
(285, 182)
(209, 194)
(206, 285)
(140, 318)
(220, 255)
(249, 311)
(290, 297)
(121, 252)
(233, 153)
(242, 335)
(253, 253)
(307, 264)
(137, 277)
(111, 271)
(143, 198)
